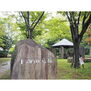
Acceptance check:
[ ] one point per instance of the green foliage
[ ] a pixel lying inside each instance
(7, 43)
(52, 31)
(11, 50)
(33, 17)
(2, 31)
(87, 56)
(46, 33)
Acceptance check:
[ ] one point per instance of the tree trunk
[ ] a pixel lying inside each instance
(76, 63)
(29, 33)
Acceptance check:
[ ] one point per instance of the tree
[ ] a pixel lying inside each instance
(54, 30)
(2, 31)
(7, 43)
(29, 23)
(77, 32)
(5, 39)
(88, 35)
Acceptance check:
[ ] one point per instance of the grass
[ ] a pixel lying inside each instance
(87, 56)
(6, 75)
(4, 60)
(66, 72)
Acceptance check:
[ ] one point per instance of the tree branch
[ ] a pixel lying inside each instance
(26, 19)
(84, 18)
(85, 26)
(78, 18)
(33, 22)
(38, 20)
(68, 16)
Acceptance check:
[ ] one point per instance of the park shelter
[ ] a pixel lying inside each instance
(64, 43)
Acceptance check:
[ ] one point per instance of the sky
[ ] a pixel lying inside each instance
(6, 13)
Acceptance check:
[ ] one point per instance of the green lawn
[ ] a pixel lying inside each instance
(6, 75)
(64, 71)
(4, 60)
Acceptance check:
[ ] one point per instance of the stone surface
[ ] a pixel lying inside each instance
(32, 61)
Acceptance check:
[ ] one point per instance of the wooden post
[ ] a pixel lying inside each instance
(62, 52)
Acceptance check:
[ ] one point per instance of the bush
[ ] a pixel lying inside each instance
(11, 50)
(87, 51)
(87, 56)
(70, 59)
(3, 53)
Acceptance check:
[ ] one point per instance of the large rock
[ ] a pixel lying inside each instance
(32, 61)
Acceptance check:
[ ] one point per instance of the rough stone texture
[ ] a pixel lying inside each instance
(32, 61)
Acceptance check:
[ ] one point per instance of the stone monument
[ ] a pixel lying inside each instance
(32, 61)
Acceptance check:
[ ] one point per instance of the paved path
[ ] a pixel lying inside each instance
(4, 67)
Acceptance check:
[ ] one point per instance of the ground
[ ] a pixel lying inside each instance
(5, 68)
(64, 71)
